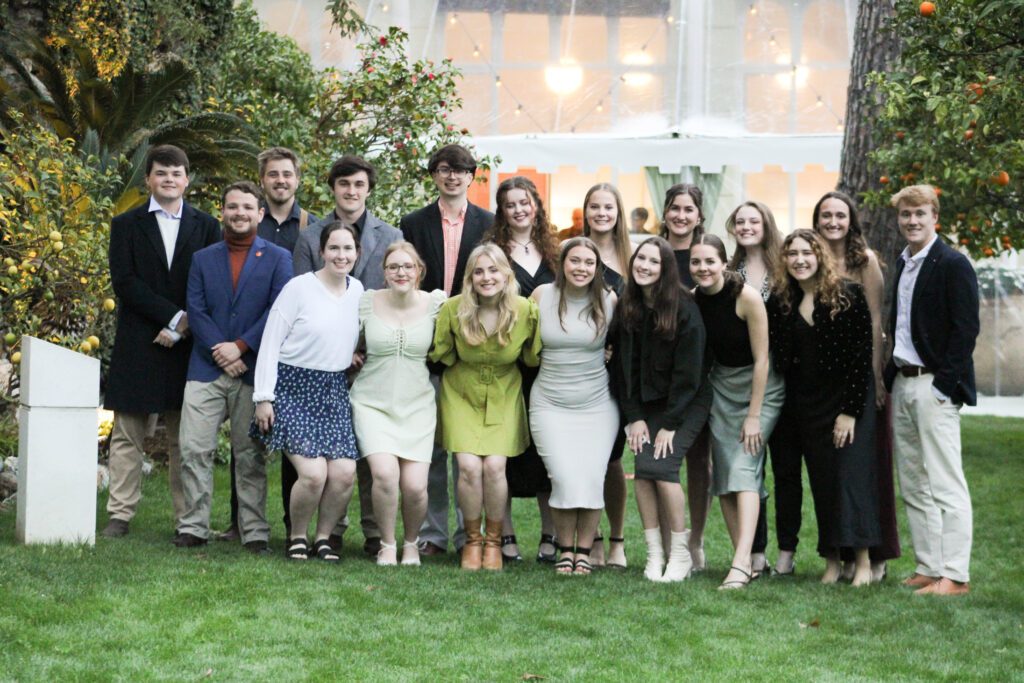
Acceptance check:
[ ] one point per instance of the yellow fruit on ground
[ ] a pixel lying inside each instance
(86, 347)
(108, 305)
(94, 341)
(16, 357)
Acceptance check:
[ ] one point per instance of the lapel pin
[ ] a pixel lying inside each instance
(259, 253)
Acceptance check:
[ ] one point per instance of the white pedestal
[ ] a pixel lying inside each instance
(57, 445)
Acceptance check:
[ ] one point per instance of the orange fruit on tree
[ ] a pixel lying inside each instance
(884, 180)
(968, 134)
(927, 9)
(900, 135)
(1001, 178)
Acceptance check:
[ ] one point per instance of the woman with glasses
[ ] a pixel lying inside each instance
(393, 405)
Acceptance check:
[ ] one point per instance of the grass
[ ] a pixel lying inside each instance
(140, 609)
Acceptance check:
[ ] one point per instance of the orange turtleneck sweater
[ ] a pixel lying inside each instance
(238, 251)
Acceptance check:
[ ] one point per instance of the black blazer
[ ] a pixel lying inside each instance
(943, 321)
(145, 377)
(423, 229)
(843, 349)
(672, 371)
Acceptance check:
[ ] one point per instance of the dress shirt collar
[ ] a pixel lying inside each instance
(154, 206)
(458, 217)
(920, 256)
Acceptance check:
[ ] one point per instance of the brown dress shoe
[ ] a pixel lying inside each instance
(116, 528)
(919, 581)
(472, 552)
(945, 586)
(492, 546)
(184, 540)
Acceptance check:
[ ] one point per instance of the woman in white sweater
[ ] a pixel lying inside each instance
(301, 393)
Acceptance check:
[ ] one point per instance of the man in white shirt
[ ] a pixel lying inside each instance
(934, 325)
(151, 250)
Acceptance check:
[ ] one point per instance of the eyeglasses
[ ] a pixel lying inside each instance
(394, 268)
(448, 171)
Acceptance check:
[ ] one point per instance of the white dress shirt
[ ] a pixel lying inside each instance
(168, 223)
(903, 352)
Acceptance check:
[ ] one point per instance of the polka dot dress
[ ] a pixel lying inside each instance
(312, 415)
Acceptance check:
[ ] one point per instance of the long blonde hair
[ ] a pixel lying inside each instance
(620, 232)
(469, 305)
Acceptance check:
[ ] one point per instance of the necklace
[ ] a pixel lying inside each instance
(524, 245)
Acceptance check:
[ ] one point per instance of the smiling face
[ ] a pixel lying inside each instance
(580, 266)
(682, 217)
(488, 280)
(452, 183)
(241, 214)
(401, 272)
(167, 183)
(801, 260)
(647, 266)
(917, 224)
(748, 227)
(519, 210)
(350, 193)
(340, 253)
(279, 181)
(706, 267)
(601, 211)
(833, 219)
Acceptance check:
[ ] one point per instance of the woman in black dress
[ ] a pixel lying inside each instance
(522, 230)
(821, 340)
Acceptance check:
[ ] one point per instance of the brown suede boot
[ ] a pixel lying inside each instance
(492, 545)
(472, 552)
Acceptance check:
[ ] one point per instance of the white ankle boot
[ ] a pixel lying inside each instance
(679, 561)
(655, 554)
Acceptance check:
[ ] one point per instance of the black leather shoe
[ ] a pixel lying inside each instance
(336, 542)
(257, 547)
(371, 546)
(188, 541)
(116, 528)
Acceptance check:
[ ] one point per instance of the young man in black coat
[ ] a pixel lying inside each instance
(151, 250)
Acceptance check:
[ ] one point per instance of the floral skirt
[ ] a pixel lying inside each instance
(312, 415)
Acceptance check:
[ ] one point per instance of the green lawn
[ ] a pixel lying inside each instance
(140, 609)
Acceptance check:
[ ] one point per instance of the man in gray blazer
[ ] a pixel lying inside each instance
(351, 179)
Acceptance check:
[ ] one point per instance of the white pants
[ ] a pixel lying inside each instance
(926, 441)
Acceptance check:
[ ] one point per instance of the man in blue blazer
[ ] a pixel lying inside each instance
(934, 324)
(231, 287)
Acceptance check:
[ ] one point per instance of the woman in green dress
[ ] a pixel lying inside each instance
(480, 334)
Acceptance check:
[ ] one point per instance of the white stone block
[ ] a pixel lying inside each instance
(57, 475)
(52, 376)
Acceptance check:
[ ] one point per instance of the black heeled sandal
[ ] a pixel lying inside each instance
(582, 567)
(297, 549)
(323, 550)
(614, 565)
(565, 565)
(547, 558)
(509, 540)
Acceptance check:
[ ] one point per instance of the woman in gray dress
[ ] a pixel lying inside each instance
(747, 398)
(573, 417)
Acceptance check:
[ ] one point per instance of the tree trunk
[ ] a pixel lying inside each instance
(874, 49)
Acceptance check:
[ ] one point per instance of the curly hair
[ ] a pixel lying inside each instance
(667, 297)
(828, 285)
(469, 305)
(855, 246)
(620, 230)
(698, 199)
(540, 233)
(770, 243)
(595, 290)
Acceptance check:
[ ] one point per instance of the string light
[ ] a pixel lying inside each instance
(600, 105)
(384, 8)
(497, 81)
(453, 18)
(820, 103)
(476, 50)
(771, 40)
(519, 110)
(753, 10)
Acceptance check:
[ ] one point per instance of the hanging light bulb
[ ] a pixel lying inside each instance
(476, 50)
(452, 18)
(820, 103)
(839, 126)
(384, 7)
(600, 105)
(771, 40)
(497, 81)
(753, 10)
(519, 110)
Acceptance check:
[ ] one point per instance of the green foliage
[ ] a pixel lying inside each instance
(54, 225)
(953, 118)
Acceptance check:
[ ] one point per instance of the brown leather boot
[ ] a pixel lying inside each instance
(472, 552)
(492, 545)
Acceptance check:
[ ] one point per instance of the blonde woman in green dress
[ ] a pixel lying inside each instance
(393, 404)
(480, 334)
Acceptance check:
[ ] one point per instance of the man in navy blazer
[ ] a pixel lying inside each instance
(231, 287)
(151, 249)
(934, 324)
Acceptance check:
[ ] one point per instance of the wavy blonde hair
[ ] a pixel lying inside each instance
(469, 305)
(828, 285)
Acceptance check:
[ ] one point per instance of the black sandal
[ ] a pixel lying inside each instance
(737, 583)
(547, 558)
(510, 540)
(582, 566)
(614, 565)
(565, 565)
(297, 549)
(323, 550)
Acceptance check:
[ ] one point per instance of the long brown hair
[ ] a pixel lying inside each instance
(855, 246)
(828, 286)
(620, 232)
(595, 290)
(540, 233)
(771, 243)
(668, 293)
(698, 199)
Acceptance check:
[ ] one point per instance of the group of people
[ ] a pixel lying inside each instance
(478, 341)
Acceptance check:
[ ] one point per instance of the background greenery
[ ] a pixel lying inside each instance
(140, 609)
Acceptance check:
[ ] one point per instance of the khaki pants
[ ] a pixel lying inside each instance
(125, 463)
(926, 445)
(206, 405)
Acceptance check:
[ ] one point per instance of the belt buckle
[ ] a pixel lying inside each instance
(486, 374)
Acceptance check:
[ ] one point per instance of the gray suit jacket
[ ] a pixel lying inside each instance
(374, 241)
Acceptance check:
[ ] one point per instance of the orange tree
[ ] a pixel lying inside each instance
(55, 215)
(952, 116)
